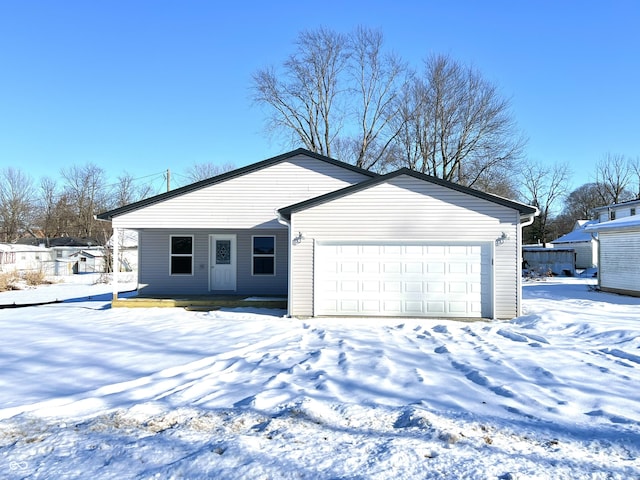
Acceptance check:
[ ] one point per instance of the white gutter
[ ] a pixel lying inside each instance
(526, 223)
(285, 222)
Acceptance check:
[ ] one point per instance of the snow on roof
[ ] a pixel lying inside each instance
(631, 222)
(579, 234)
(16, 247)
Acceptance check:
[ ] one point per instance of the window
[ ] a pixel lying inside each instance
(181, 255)
(633, 211)
(613, 215)
(264, 255)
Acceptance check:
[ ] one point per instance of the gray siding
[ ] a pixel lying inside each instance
(154, 277)
(406, 209)
(247, 201)
(619, 268)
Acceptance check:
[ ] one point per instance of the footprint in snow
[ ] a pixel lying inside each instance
(516, 337)
(441, 349)
(440, 329)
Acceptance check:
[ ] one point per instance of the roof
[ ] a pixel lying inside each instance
(525, 210)
(628, 203)
(228, 176)
(624, 223)
(579, 234)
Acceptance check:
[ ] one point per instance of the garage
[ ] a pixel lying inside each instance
(403, 279)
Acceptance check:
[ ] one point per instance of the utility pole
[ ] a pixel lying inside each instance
(168, 179)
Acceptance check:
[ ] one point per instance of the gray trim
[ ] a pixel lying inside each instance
(224, 177)
(522, 208)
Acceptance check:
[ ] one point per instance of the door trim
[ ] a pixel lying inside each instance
(233, 265)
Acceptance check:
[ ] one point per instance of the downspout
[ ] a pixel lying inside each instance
(526, 223)
(287, 223)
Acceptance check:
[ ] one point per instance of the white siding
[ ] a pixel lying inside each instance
(246, 201)
(408, 209)
(619, 268)
(586, 253)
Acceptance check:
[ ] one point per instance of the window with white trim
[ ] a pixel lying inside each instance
(264, 255)
(181, 255)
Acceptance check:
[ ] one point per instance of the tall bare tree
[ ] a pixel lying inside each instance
(614, 176)
(378, 80)
(303, 97)
(127, 190)
(17, 197)
(457, 125)
(85, 190)
(543, 186)
(203, 171)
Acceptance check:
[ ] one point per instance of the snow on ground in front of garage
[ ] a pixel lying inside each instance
(87, 391)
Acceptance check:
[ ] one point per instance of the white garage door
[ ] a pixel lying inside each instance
(403, 279)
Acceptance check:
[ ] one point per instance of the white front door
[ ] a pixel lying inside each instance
(222, 254)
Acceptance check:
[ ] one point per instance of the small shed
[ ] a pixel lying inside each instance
(541, 260)
(90, 261)
(582, 242)
(619, 258)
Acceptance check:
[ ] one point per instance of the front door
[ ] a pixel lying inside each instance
(222, 262)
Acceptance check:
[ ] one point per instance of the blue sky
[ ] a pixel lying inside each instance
(142, 86)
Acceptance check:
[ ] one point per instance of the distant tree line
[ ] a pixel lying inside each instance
(51, 208)
(65, 207)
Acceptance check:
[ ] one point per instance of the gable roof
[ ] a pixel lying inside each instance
(630, 222)
(524, 210)
(227, 176)
(579, 234)
(615, 206)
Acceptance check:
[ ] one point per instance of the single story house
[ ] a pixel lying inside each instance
(617, 210)
(334, 239)
(127, 241)
(25, 258)
(619, 258)
(582, 242)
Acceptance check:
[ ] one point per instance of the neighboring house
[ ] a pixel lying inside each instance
(127, 241)
(334, 239)
(619, 258)
(617, 210)
(582, 242)
(24, 258)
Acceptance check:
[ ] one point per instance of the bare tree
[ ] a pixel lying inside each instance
(86, 192)
(578, 205)
(128, 190)
(614, 174)
(457, 126)
(542, 187)
(635, 169)
(16, 203)
(303, 98)
(378, 80)
(203, 171)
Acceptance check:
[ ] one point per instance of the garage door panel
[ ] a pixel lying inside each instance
(396, 279)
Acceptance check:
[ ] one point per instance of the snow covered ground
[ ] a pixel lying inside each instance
(87, 391)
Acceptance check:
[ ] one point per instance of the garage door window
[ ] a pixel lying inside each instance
(264, 255)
